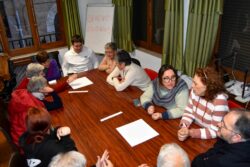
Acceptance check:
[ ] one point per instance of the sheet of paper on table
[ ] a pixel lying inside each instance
(137, 132)
(80, 82)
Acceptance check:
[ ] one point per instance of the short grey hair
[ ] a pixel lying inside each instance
(36, 83)
(111, 45)
(172, 155)
(34, 69)
(68, 159)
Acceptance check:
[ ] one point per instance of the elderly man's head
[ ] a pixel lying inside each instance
(36, 84)
(69, 159)
(235, 126)
(34, 69)
(172, 155)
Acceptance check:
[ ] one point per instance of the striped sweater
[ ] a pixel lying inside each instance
(206, 114)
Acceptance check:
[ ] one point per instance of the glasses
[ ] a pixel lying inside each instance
(205, 74)
(167, 79)
(223, 125)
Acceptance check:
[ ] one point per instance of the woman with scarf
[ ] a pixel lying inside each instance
(167, 91)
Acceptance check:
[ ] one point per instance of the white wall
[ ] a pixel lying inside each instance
(146, 59)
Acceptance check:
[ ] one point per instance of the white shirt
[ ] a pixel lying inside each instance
(78, 62)
(132, 75)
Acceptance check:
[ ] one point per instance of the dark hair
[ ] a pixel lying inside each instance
(212, 79)
(164, 68)
(111, 45)
(242, 125)
(124, 57)
(42, 56)
(38, 122)
(77, 38)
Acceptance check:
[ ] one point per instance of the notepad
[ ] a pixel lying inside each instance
(137, 132)
(80, 82)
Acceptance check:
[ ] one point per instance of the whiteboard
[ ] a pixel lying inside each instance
(99, 26)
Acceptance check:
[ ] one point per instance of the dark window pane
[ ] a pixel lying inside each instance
(16, 24)
(235, 34)
(158, 22)
(47, 20)
(139, 31)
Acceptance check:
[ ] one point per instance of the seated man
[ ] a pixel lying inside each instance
(171, 155)
(79, 58)
(108, 63)
(127, 73)
(232, 150)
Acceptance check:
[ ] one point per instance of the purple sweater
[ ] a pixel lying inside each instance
(53, 72)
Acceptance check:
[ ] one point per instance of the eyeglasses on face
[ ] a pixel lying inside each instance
(167, 79)
(223, 125)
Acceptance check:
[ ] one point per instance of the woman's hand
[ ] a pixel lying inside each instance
(62, 131)
(156, 116)
(151, 110)
(183, 133)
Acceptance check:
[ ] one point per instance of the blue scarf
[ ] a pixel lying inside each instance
(169, 98)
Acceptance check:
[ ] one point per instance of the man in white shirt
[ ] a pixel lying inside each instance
(79, 58)
(127, 73)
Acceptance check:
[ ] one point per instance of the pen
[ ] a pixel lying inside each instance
(111, 116)
(79, 91)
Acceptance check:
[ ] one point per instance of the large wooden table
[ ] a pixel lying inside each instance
(82, 113)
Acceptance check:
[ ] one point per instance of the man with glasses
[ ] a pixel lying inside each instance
(233, 147)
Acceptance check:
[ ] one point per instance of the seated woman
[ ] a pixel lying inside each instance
(23, 99)
(108, 62)
(51, 68)
(168, 91)
(39, 88)
(207, 105)
(33, 69)
(127, 73)
(41, 142)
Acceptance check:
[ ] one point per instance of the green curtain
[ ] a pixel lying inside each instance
(123, 24)
(71, 17)
(202, 29)
(173, 34)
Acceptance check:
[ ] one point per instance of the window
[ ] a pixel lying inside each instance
(30, 25)
(235, 35)
(148, 24)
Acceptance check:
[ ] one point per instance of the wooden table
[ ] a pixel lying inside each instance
(82, 113)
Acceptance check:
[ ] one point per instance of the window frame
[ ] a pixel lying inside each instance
(148, 44)
(34, 32)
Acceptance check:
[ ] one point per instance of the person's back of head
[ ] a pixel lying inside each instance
(172, 155)
(68, 159)
(242, 124)
(42, 57)
(124, 57)
(36, 84)
(38, 122)
(34, 69)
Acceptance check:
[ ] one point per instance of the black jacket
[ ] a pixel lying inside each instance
(224, 154)
(43, 152)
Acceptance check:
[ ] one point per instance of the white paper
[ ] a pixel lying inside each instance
(53, 82)
(80, 82)
(137, 132)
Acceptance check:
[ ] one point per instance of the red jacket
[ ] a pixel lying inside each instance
(21, 101)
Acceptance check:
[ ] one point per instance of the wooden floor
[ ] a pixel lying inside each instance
(82, 113)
